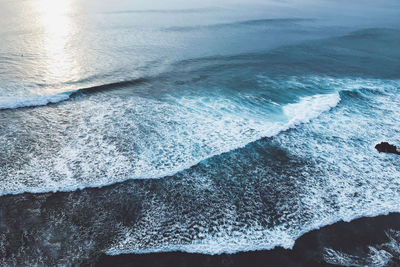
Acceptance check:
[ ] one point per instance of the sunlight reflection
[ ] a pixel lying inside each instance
(55, 19)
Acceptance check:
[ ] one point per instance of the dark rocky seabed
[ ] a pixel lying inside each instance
(353, 238)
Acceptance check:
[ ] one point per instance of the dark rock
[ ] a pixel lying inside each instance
(385, 147)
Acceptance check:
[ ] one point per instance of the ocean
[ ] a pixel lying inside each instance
(197, 127)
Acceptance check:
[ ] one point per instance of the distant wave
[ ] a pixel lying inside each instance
(12, 102)
(295, 57)
(165, 11)
(109, 86)
(256, 22)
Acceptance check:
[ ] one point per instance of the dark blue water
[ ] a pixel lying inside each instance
(192, 127)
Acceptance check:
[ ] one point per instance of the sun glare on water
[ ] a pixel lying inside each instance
(54, 18)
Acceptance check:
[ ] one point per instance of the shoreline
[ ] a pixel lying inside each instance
(353, 238)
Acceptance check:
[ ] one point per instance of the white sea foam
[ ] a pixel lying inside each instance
(332, 171)
(11, 102)
(344, 179)
(309, 107)
(162, 139)
(103, 141)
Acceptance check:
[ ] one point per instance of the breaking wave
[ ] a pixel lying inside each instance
(236, 132)
(12, 102)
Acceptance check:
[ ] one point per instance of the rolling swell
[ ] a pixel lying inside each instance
(256, 22)
(111, 86)
(32, 101)
(357, 54)
(165, 11)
